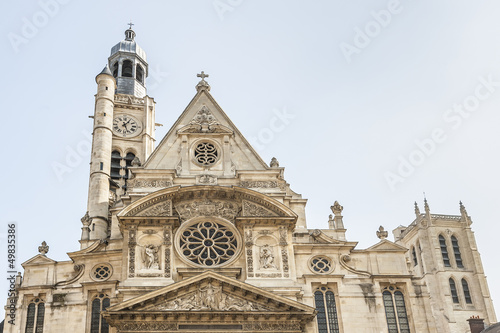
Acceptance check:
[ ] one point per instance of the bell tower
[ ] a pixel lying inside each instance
(128, 66)
(123, 135)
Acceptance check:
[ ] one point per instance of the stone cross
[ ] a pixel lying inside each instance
(131, 24)
(202, 75)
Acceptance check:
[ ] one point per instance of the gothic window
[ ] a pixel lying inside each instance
(465, 287)
(115, 69)
(456, 252)
(36, 314)
(414, 256)
(139, 73)
(327, 318)
(97, 323)
(115, 165)
(453, 289)
(127, 68)
(395, 310)
(444, 251)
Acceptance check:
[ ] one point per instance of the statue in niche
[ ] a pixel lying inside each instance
(267, 257)
(150, 256)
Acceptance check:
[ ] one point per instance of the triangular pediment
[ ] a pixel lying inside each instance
(204, 119)
(39, 259)
(214, 292)
(385, 245)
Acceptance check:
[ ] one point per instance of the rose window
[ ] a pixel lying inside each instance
(321, 265)
(208, 243)
(206, 153)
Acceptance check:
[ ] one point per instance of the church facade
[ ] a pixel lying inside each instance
(199, 234)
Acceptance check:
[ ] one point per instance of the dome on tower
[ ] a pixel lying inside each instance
(129, 45)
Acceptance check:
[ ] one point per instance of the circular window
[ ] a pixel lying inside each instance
(208, 242)
(321, 265)
(101, 272)
(206, 153)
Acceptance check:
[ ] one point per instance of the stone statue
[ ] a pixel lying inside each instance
(267, 257)
(274, 163)
(150, 257)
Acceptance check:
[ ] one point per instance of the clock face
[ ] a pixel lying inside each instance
(125, 125)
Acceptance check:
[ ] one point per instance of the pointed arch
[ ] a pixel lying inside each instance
(456, 252)
(453, 291)
(466, 290)
(444, 251)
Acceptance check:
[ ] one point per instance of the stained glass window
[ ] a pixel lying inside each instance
(35, 316)
(97, 323)
(395, 310)
(456, 252)
(444, 251)
(327, 318)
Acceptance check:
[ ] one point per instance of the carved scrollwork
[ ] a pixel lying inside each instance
(252, 209)
(145, 326)
(148, 183)
(208, 207)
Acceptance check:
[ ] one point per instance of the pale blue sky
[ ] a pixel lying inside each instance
(354, 116)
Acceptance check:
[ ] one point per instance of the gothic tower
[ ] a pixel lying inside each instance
(123, 137)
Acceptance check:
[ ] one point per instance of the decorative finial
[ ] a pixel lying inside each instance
(202, 84)
(44, 248)
(463, 212)
(274, 163)
(426, 206)
(331, 222)
(130, 24)
(417, 210)
(336, 208)
(381, 233)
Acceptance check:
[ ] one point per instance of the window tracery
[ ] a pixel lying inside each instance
(327, 317)
(395, 310)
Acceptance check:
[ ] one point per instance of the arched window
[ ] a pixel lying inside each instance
(36, 314)
(324, 300)
(115, 69)
(456, 252)
(115, 165)
(97, 323)
(395, 310)
(453, 289)
(444, 251)
(465, 287)
(414, 256)
(128, 163)
(127, 68)
(139, 73)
